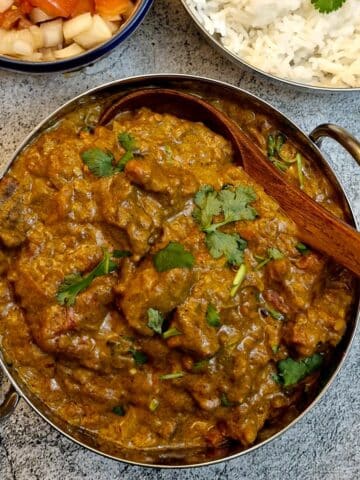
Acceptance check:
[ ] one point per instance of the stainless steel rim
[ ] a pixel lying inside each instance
(132, 82)
(242, 63)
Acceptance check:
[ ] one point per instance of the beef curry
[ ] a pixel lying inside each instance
(152, 294)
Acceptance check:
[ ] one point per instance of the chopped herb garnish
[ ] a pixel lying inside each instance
(229, 245)
(238, 280)
(207, 206)
(300, 170)
(271, 146)
(139, 357)
(129, 145)
(213, 316)
(275, 314)
(275, 348)
(119, 410)
(225, 402)
(172, 256)
(280, 152)
(201, 364)
(171, 332)
(87, 129)
(327, 6)
(153, 405)
(302, 248)
(280, 165)
(155, 320)
(273, 254)
(76, 283)
(99, 162)
(121, 253)
(172, 376)
(290, 371)
(234, 205)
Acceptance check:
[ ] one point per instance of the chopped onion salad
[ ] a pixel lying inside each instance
(49, 30)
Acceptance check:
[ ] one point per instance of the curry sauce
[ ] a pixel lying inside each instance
(152, 294)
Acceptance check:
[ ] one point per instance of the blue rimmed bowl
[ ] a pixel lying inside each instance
(86, 58)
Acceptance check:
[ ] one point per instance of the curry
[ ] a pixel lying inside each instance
(153, 295)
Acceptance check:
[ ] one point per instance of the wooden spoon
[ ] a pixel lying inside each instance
(318, 228)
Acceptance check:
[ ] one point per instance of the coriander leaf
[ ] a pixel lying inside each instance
(171, 332)
(127, 141)
(207, 205)
(121, 253)
(212, 316)
(302, 248)
(129, 145)
(172, 256)
(155, 320)
(119, 410)
(327, 6)
(75, 283)
(139, 357)
(99, 162)
(231, 245)
(235, 203)
(292, 371)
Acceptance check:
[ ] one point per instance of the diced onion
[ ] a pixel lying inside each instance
(16, 43)
(114, 27)
(48, 54)
(77, 25)
(98, 33)
(38, 16)
(52, 33)
(37, 37)
(34, 57)
(5, 5)
(70, 51)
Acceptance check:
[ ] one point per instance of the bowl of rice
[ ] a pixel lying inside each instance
(308, 43)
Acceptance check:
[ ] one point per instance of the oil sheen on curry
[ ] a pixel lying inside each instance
(153, 295)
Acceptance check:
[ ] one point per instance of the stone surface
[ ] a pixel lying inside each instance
(325, 445)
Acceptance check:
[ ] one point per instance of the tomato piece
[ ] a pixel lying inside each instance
(83, 6)
(24, 6)
(56, 8)
(110, 8)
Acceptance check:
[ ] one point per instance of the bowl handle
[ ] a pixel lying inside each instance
(9, 403)
(348, 141)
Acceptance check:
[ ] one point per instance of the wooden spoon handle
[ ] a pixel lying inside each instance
(318, 228)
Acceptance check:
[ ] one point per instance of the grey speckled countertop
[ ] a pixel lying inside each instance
(325, 445)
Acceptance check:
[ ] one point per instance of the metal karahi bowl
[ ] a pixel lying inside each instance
(215, 41)
(209, 89)
(87, 58)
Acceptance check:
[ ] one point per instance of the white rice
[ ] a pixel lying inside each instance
(288, 38)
